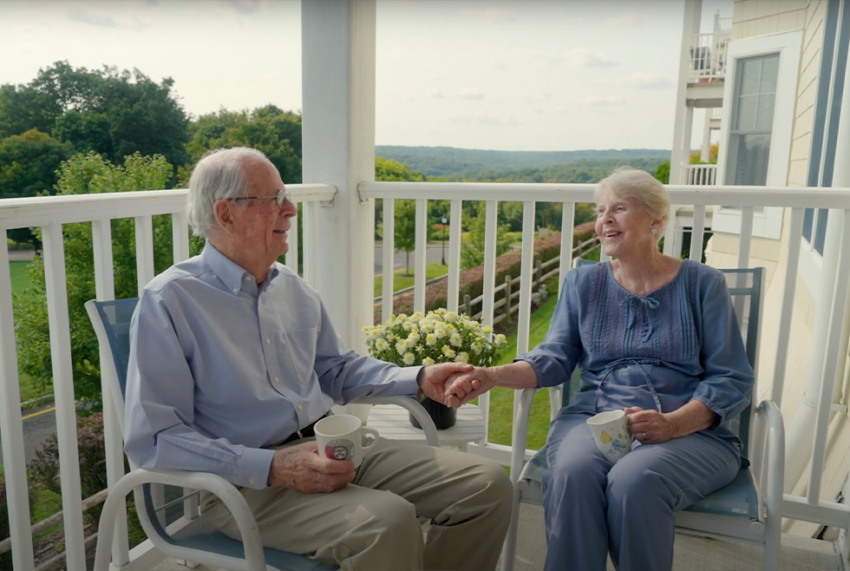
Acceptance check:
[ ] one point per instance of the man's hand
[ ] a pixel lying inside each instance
(302, 469)
(432, 379)
(463, 387)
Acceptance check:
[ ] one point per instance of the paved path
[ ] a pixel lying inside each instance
(21, 255)
(434, 256)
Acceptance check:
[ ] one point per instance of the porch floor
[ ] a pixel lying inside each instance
(690, 553)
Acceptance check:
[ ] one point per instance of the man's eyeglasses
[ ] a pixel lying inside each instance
(279, 198)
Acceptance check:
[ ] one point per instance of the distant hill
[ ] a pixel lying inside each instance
(453, 163)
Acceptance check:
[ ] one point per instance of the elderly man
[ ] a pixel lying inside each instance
(234, 359)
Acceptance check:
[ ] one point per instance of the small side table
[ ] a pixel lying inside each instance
(393, 422)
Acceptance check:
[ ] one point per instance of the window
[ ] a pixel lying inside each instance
(757, 124)
(752, 120)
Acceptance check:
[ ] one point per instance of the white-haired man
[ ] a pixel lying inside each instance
(233, 359)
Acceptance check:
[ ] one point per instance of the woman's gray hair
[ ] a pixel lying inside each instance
(219, 175)
(626, 182)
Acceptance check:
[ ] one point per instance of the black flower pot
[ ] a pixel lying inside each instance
(442, 415)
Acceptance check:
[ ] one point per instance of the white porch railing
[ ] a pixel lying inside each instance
(708, 57)
(51, 213)
(699, 175)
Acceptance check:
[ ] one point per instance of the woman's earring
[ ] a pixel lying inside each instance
(655, 231)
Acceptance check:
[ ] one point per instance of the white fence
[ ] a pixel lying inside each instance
(51, 213)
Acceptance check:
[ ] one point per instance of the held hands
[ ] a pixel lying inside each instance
(463, 387)
(650, 426)
(434, 379)
(302, 469)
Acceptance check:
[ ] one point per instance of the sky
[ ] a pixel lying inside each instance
(481, 74)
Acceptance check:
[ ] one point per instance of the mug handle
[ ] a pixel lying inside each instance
(365, 430)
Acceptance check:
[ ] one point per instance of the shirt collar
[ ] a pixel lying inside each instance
(229, 272)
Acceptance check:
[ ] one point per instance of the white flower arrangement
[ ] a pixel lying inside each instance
(439, 337)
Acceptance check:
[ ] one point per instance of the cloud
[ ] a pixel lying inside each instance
(102, 21)
(26, 48)
(579, 57)
(488, 15)
(471, 93)
(84, 17)
(647, 80)
(483, 118)
(436, 94)
(583, 57)
(603, 101)
(244, 6)
(500, 65)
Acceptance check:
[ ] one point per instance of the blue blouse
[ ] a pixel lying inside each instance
(660, 351)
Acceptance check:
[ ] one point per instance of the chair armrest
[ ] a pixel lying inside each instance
(520, 433)
(229, 495)
(413, 406)
(772, 479)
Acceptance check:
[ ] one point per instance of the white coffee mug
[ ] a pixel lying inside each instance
(611, 434)
(343, 437)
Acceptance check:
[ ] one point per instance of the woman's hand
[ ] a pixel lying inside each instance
(653, 427)
(650, 426)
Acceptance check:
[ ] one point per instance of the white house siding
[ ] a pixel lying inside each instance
(753, 18)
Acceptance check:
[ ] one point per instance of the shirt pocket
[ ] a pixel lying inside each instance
(301, 348)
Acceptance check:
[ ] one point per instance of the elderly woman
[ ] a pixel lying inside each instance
(656, 336)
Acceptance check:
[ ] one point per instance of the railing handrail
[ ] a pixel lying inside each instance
(68, 208)
(736, 196)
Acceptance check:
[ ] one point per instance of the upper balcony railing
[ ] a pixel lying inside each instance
(698, 175)
(708, 57)
(52, 213)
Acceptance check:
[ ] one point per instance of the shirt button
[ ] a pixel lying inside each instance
(247, 278)
(300, 407)
(268, 341)
(251, 481)
(236, 290)
(276, 379)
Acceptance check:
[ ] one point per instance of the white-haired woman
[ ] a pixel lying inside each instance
(656, 336)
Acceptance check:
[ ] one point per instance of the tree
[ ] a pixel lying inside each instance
(472, 252)
(28, 164)
(112, 113)
(275, 132)
(81, 174)
(662, 173)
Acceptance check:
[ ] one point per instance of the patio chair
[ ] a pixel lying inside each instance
(748, 509)
(196, 540)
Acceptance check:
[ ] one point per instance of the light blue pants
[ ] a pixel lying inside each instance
(593, 507)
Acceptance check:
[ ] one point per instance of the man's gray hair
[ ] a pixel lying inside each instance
(627, 181)
(219, 175)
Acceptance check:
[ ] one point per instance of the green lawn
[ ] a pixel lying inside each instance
(401, 281)
(20, 275)
(502, 400)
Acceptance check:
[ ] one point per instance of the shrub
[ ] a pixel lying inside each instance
(44, 467)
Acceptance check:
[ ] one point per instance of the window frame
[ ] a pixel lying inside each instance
(767, 223)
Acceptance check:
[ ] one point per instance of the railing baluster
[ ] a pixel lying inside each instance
(12, 432)
(63, 390)
(308, 224)
(455, 228)
(421, 255)
(104, 281)
(526, 268)
(697, 231)
(746, 237)
(144, 251)
(490, 221)
(180, 236)
(388, 269)
(291, 257)
(568, 214)
(792, 261)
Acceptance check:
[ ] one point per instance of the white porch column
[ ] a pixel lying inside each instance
(338, 118)
(690, 26)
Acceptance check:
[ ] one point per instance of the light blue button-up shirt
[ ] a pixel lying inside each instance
(221, 368)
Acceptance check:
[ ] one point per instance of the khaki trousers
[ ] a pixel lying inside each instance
(372, 524)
